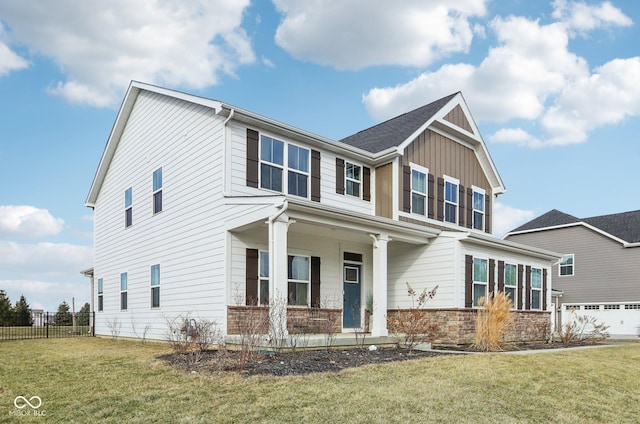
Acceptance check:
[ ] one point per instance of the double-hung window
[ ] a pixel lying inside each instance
(298, 174)
(418, 190)
(157, 190)
(100, 294)
(511, 283)
(451, 199)
(536, 288)
(155, 286)
(566, 265)
(480, 280)
(128, 207)
(353, 179)
(299, 280)
(271, 163)
(123, 291)
(263, 279)
(478, 208)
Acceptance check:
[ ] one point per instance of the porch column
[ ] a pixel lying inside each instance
(379, 316)
(278, 268)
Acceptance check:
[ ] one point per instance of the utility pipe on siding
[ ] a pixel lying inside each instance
(224, 153)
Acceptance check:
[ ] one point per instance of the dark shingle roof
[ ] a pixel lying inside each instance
(393, 132)
(625, 225)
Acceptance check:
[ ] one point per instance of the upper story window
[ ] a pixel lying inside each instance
(418, 189)
(155, 286)
(451, 199)
(100, 294)
(480, 279)
(536, 288)
(123, 291)
(157, 190)
(353, 179)
(511, 283)
(478, 208)
(272, 167)
(128, 207)
(566, 265)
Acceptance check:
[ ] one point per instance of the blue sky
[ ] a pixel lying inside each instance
(553, 85)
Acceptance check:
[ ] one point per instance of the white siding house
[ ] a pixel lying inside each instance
(205, 209)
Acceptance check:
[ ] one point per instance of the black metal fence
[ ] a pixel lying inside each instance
(44, 325)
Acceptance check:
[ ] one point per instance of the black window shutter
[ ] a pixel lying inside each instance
(487, 214)
(520, 283)
(440, 199)
(251, 286)
(366, 183)
(339, 176)
(527, 292)
(501, 277)
(315, 175)
(406, 189)
(492, 277)
(468, 281)
(431, 187)
(315, 282)
(461, 211)
(544, 289)
(469, 207)
(252, 158)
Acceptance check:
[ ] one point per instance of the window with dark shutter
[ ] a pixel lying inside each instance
(252, 158)
(487, 214)
(520, 285)
(431, 184)
(315, 282)
(527, 294)
(501, 277)
(315, 175)
(366, 183)
(492, 277)
(251, 286)
(406, 189)
(544, 289)
(440, 211)
(469, 207)
(461, 210)
(339, 176)
(468, 281)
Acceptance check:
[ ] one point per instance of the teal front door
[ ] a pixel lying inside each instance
(351, 296)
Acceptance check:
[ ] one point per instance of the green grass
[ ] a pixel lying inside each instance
(98, 380)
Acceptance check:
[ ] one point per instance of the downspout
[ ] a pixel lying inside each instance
(224, 154)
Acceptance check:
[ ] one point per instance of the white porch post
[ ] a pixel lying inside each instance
(278, 267)
(379, 316)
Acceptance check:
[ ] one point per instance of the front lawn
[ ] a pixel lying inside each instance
(98, 380)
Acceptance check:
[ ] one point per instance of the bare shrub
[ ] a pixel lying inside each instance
(583, 329)
(413, 324)
(543, 330)
(190, 338)
(278, 333)
(492, 321)
(252, 327)
(114, 326)
(143, 334)
(327, 325)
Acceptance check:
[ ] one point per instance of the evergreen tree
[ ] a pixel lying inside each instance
(63, 316)
(22, 313)
(6, 310)
(84, 317)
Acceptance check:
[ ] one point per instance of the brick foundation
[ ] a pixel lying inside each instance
(458, 326)
(299, 320)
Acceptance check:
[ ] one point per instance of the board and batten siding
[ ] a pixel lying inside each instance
(384, 190)
(186, 238)
(328, 195)
(458, 118)
(604, 271)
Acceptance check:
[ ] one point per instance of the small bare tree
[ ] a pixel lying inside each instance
(114, 326)
(412, 324)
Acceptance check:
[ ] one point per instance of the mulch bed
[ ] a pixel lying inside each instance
(314, 361)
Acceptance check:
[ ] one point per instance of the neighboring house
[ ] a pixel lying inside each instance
(599, 274)
(206, 209)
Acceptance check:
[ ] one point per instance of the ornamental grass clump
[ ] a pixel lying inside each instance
(492, 322)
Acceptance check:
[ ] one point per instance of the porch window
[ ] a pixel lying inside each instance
(418, 189)
(155, 286)
(299, 280)
(128, 207)
(100, 294)
(511, 283)
(480, 279)
(157, 190)
(123, 291)
(263, 279)
(353, 179)
(478, 209)
(566, 265)
(451, 199)
(536, 288)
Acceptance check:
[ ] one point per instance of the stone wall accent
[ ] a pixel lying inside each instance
(458, 326)
(299, 320)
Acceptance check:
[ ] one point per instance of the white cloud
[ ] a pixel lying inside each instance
(28, 221)
(530, 74)
(506, 218)
(28, 260)
(582, 17)
(9, 60)
(361, 33)
(101, 48)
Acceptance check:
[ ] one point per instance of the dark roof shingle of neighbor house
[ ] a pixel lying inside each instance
(393, 132)
(625, 225)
